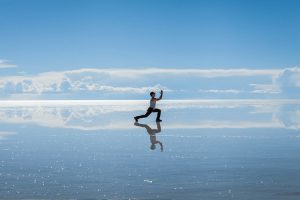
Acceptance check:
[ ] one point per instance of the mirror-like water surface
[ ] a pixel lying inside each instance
(241, 149)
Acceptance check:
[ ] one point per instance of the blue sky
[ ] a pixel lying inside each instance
(63, 34)
(59, 35)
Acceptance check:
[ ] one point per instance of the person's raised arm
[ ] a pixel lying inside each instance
(161, 95)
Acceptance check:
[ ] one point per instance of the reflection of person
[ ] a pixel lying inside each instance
(152, 108)
(152, 133)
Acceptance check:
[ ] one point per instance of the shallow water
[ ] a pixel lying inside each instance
(93, 150)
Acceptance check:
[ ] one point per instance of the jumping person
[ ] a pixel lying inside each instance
(152, 108)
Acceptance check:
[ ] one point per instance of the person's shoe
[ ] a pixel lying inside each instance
(158, 120)
(136, 120)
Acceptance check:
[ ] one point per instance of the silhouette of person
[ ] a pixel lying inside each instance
(152, 133)
(152, 107)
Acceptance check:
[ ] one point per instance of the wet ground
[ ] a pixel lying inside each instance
(240, 149)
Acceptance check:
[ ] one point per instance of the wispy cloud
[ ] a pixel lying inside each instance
(208, 73)
(6, 64)
(266, 88)
(93, 83)
(136, 90)
(68, 82)
(231, 91)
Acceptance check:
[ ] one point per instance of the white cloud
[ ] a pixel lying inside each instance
(266, 88)
(208, 73)
(184, 83)
(231, 91)
(289, 77)
(141, 90)
(6, 64)
(61, 82)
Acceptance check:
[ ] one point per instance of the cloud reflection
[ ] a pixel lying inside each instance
(98, 115)
(4, 134)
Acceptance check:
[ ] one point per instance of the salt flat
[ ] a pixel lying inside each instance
(203, 149)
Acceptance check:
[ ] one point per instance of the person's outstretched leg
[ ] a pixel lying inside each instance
(158, 114)
(149, 111)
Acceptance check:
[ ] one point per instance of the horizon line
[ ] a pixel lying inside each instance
(215, 99)
(45, 102)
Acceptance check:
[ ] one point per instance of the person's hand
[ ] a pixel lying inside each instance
(161, 91)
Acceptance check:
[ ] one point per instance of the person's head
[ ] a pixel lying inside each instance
(152, 94)
(152, 147)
